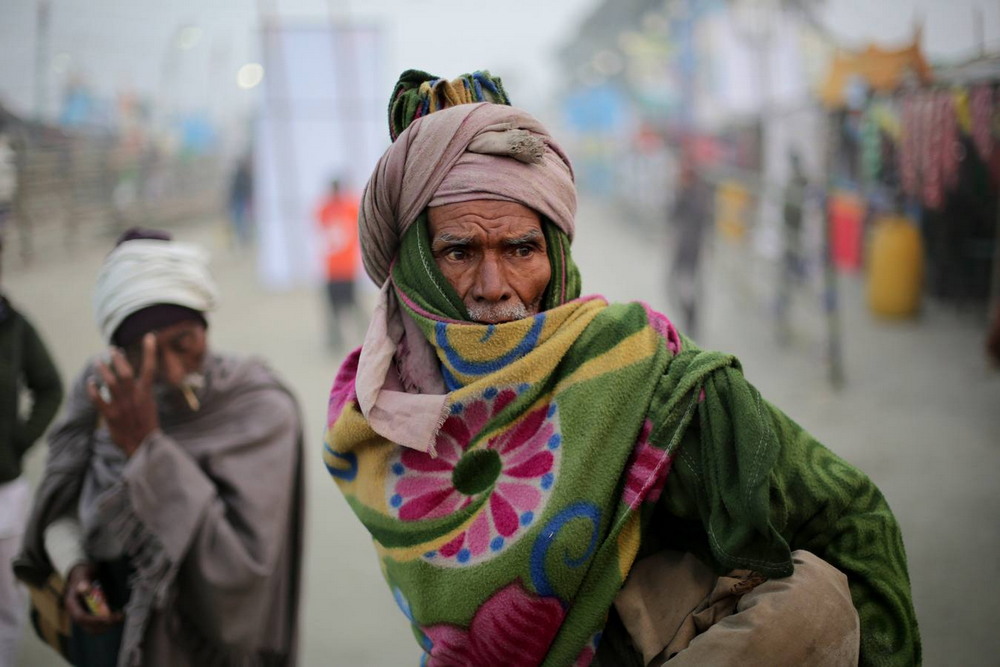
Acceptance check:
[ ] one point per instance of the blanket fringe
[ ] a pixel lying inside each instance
(154, 571)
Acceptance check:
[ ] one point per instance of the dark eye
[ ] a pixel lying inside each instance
(456, 254)
(183, 344)
(524, 250)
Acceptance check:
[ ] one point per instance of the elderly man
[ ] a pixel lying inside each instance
(557, 480)
(172, 500)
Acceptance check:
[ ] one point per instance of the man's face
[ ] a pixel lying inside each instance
(493, 253)
(180, 351)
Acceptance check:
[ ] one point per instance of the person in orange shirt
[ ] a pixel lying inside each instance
(337, 215)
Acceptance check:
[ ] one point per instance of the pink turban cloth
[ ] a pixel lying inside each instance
(466, 152)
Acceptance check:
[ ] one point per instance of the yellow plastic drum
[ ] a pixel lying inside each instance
(732, 208)
(895, 267)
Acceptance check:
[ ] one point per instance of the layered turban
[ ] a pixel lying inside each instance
(145, 272)
(466, 152)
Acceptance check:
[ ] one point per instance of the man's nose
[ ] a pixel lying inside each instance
(491, 284)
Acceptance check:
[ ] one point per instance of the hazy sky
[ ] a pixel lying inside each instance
(121, 42)
(949, 30)
(118, 43)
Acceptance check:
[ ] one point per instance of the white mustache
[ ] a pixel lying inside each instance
(498, 312)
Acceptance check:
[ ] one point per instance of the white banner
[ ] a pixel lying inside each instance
(322, 118)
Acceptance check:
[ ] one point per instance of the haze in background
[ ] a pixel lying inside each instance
(185, 54)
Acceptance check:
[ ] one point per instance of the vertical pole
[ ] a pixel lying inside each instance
(993, 305)
(42, 24)
(831, 297)
(977, 26)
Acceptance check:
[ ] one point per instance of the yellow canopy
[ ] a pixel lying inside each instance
(883, 70)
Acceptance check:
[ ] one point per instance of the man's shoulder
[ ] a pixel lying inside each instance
(250, 387)
(238, 373)
(632, 310)
(637, 314)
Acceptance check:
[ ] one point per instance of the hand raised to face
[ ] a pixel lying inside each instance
(126, 401)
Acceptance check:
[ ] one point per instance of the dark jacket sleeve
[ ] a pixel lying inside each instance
(42, 379)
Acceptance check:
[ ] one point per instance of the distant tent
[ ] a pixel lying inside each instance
(878, 69)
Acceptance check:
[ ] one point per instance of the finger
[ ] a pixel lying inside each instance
(76, 609)
(100, 400)
(94, 394)
(122, 367)
(109, 379)
(148, 360)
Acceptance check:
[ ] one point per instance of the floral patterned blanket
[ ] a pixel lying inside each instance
(510, 542)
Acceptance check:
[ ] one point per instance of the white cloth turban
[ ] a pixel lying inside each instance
(142, 273)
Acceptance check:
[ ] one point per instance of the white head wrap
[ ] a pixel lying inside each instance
(142, 273)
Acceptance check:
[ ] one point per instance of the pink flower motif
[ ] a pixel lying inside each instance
(588, 653)
(343, 391)
(516, 468)
(513, 627)
(647, 468)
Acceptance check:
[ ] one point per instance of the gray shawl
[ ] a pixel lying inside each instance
(209, 512)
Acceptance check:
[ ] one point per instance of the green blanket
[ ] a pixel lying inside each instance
(508, 543)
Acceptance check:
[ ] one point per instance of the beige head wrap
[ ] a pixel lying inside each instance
(141, 273)
(466, 152)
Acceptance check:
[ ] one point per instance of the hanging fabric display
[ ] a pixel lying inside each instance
(994, 160)
(871, 145)
(909, 148)
(981, 112)
(931, 149)
(951, 148)
(930, 145)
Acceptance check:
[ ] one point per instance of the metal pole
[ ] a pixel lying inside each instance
(993, 306)
(42, 24)
(831, 297)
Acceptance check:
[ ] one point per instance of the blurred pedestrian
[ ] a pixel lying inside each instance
(8, 176)
(554, 479)
(691, 219)
(337, 215)
(172, 500)
(792, 270)
(241, 202)
(25, 368)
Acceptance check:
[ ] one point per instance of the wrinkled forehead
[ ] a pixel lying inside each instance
(483, 222)
(166, 336)
(486, 212)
